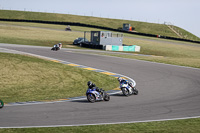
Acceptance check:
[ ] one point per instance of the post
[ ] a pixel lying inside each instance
(84, 36)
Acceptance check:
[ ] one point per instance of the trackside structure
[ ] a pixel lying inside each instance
(104, 38)
(107, 40)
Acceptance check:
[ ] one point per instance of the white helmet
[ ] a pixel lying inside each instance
(119, 79)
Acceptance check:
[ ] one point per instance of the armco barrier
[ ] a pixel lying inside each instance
(95, 26)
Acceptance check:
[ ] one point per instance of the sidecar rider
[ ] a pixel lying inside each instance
(93, 86)
(124, 80)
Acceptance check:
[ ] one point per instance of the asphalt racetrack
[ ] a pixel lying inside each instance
(165, 92)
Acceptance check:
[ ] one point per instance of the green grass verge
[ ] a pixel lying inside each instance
(50, 26)
(184, 55)
(143, 27)
(38, 34)
(35, 36)
(176, 126)
(168, 52)
(78, 29)
(21, 76)
(25, 78)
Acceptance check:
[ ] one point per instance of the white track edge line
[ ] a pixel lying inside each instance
(112, 123)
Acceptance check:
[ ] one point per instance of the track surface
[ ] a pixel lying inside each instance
(165, 92)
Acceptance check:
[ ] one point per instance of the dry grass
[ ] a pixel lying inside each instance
(37, 34)
(24, 78)
(167, 49)
(143, 27)
(50, 26)
(185, 55)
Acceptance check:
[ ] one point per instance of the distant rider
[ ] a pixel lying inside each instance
(55, 45)
(59, 45)
(124, 80)
(93, 86)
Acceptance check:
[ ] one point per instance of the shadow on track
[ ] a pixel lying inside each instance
(118, 95)
(80, 101)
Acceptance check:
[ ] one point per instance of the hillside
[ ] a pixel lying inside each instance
(142, 27)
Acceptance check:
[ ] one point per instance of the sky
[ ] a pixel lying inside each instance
(181, 13)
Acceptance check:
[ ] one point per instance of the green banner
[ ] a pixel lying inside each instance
(129, 48)
(125, 48)
(115, 48)
(132, 48)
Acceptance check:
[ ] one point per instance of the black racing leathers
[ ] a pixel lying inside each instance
(93, 86)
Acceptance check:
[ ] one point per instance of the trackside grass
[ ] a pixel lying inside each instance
(168, 52)
(25, 78)
(50, 26)
(33, 36)
(143, 27)
(176, 126)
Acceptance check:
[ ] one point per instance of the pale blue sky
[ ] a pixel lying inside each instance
(182, 13)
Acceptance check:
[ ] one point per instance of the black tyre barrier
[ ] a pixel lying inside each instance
(92, 46)
(99, 27)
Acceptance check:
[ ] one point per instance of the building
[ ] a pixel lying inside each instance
(105, 38)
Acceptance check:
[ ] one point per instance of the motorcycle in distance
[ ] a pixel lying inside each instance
(57, 47)
(127, 89)
(93, 95)
(1, 104)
